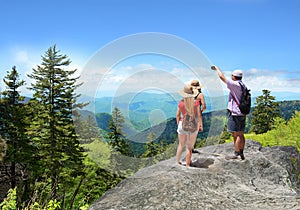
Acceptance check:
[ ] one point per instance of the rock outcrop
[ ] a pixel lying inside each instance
(267, 179)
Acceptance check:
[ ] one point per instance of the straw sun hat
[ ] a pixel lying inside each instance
(187, 92)
(195, 83)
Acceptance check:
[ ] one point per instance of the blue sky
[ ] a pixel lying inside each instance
(261, 37)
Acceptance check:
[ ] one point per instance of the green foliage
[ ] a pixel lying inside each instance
(53, 205)
(42, 145)
(85, 207)
(10, 202)
(95, 183)
(2, 148)
(288, 108)
(13, 125)
(264, 113)
(225, 135)
(153, 148)
(59, 152)
(99, 152)
(168, 135)
(282, 134)
(115, 134)
(212, 140)
(102, 120)
(86, 129)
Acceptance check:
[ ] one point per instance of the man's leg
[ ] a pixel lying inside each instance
(235, 125)
(236, 141)
(240, 134)
(236, 148)
(241, 143)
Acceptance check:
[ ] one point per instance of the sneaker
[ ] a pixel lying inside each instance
(236, 153)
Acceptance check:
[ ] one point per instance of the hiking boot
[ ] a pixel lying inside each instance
(195, 151)
(242, 154)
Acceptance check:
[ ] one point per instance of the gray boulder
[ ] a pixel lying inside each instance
(267, 179)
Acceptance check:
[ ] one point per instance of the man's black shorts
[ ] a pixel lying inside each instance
(236, 123)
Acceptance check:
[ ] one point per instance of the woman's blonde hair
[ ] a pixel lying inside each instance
(189, 105)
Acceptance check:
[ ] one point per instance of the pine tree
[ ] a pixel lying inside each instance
(152, 147)
(119, 144)
(264, 113)
(115, 134)
(52, 128)
(2, 148)
(13, 125)
(86, 129)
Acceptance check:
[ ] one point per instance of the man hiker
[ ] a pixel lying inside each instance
(236, 119)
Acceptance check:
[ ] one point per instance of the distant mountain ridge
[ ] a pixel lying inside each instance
(146, 102)
(166, 130)
(143, 110)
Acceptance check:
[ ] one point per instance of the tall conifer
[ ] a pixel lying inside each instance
(13, 124)
(264, 113)
(115, 133)
(52, 128)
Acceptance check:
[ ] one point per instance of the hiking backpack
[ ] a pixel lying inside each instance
(189, 123)
(245, 103)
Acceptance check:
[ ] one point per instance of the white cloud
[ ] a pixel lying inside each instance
(26, 60)
(277, 81)
(117, 79)
(145, 77)
(22, 57)
(138, 77)
(129, 78)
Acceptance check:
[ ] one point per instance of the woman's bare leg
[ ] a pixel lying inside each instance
(181, 143)
(191, 140)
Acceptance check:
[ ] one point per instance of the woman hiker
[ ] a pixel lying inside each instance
(187, 138)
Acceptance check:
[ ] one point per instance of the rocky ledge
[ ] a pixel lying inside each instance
(267, 179)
